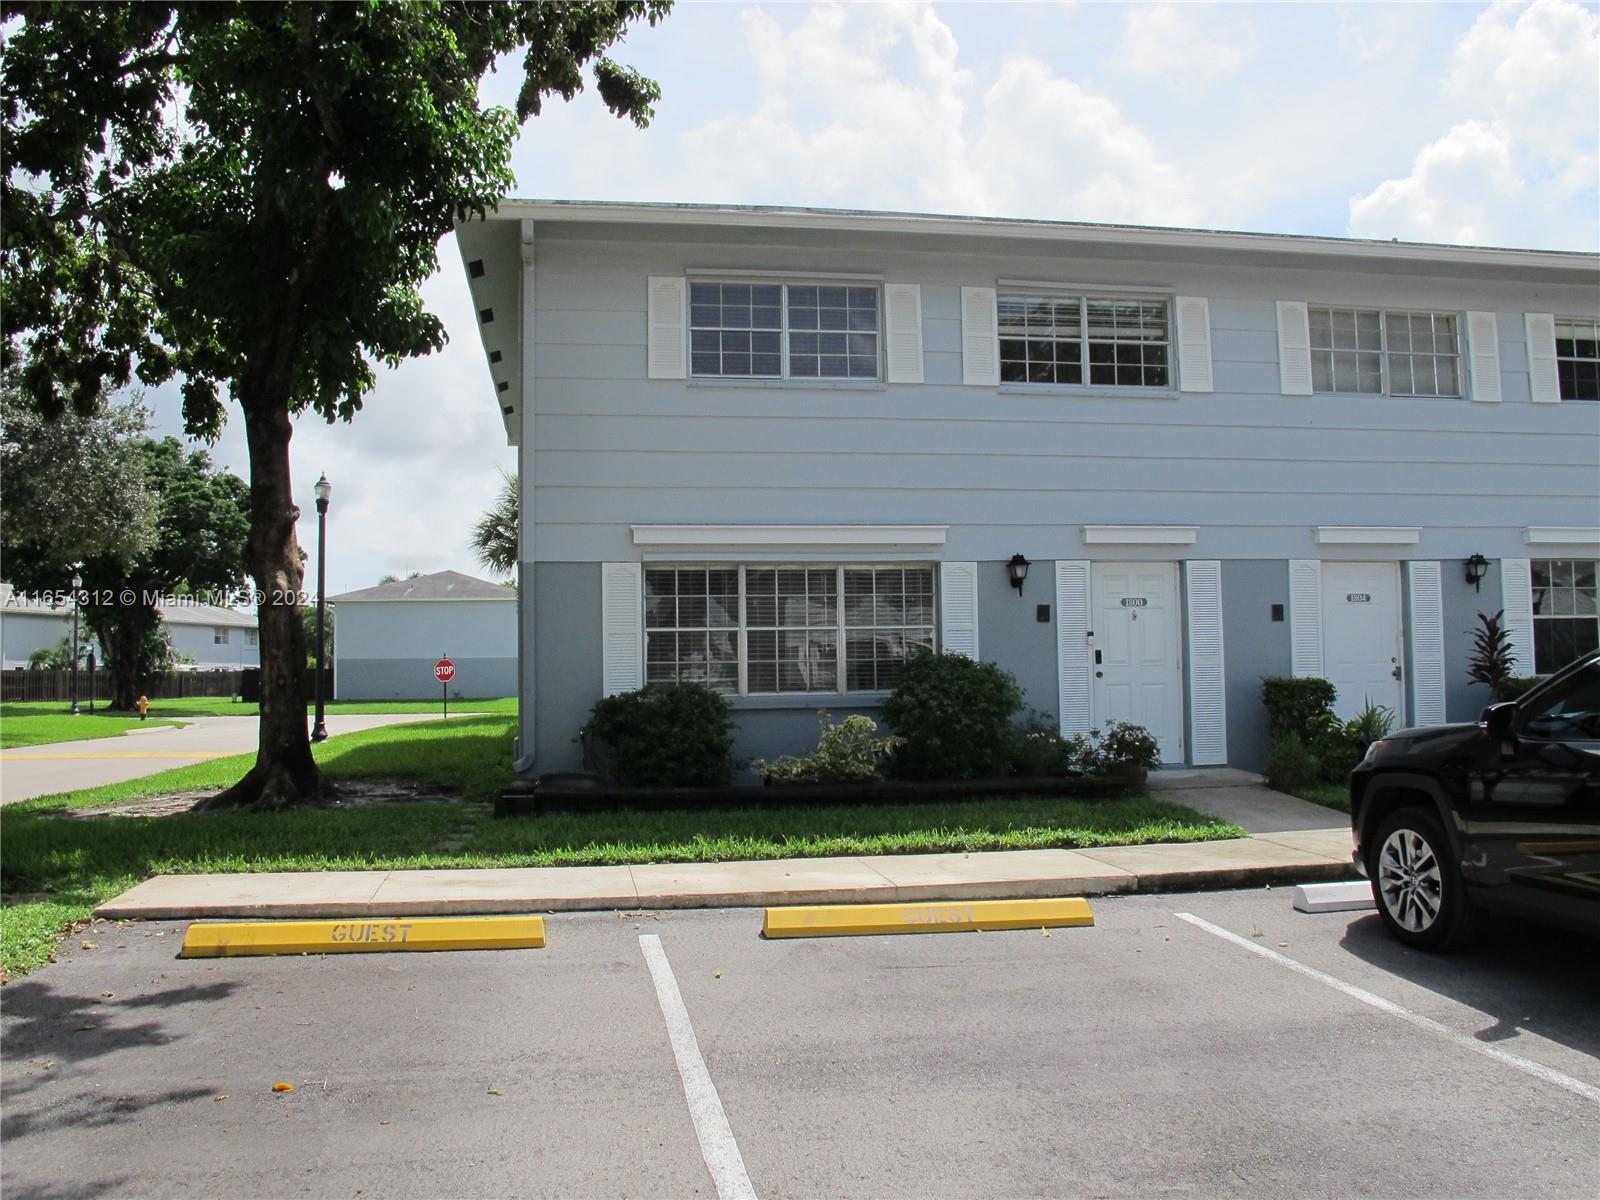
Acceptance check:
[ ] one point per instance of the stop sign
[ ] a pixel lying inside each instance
(444, 670)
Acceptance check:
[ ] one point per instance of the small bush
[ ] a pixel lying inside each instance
(846, 753)
(1125, 747)
(1302, 707)
(1039, 751)
(1515, 687)
(664, 735)
(1491, 660)
(1343, 744)
(1290, 765)
(955, 716)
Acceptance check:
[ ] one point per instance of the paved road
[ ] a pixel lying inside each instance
(1147, 1056)
(30, 771)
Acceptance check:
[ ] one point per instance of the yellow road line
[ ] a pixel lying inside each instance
(853, 920)
(4, 758)
(360, 935)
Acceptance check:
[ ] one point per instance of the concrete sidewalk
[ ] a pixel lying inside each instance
(44, 770)
(1306, 846)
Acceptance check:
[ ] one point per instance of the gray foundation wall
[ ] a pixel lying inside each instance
(412, 678)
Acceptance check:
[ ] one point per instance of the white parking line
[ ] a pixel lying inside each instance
(705, 1106)
(1528, 1066)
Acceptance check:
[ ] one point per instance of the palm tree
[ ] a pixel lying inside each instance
(495, 535)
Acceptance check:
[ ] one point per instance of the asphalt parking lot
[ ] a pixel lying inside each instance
(1149, 1055)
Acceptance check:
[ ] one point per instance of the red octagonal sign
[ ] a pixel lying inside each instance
(444, 670)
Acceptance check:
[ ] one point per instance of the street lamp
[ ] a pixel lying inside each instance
(323, 489)
(77, 584)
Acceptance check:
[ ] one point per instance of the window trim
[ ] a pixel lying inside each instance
(1383, 350)
(219, 635)
(783, 280)
(1025, 290)
(842, 692)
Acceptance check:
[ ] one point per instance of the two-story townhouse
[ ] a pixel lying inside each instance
(778, 450)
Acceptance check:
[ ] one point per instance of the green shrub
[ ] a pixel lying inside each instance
(1125, 747)
(1290, 765)
(955, 716)
(1491, 659)
(1343, 744)
(664, 735)
(1302, 707)
(846, 753)
(1515, 687)
(1039, 751)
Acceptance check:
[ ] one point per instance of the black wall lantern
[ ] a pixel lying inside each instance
(1477, 567)
(1017, 568)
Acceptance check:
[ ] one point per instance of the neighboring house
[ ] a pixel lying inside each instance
(213, 638)
(777, 450)
(390, 636)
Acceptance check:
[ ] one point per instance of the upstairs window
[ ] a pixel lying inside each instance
(783, 331)
(1054, 339)
(1578, 358)
(1373, 352)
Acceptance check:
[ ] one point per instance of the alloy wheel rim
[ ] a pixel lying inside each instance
(1409, 880)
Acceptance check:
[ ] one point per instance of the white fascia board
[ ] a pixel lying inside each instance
(1547, 535)
(789, 535)
(1368, 535)
(835, 220)
(1140, 535)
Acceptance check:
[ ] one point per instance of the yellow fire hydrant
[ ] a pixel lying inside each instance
(144, 707)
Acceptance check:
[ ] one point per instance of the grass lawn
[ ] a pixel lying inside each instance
(57, 868)
(1330, 795)
(38, 724)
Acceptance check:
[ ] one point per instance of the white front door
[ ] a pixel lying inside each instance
(1137, 651)
(1362, 640)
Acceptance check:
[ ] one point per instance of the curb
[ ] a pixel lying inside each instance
(1278, 874)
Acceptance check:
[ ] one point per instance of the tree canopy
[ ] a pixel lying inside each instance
(494, 537)
(248, 197)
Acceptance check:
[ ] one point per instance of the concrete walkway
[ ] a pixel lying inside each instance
(30, 771)
(1297, 843)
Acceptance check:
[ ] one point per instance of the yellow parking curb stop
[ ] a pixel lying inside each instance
(230, 939)
(855, 920)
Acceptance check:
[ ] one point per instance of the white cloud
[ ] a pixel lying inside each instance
(1185, 43)
(869, 106)
(1523, 168)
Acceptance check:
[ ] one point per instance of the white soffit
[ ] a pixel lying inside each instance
(789, 535)
(1368, 535)
(1546, 535)
(1140, 535)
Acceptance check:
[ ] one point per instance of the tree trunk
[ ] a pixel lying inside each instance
(120, 632)
(285, 775)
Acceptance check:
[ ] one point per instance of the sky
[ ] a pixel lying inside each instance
(1459, 123)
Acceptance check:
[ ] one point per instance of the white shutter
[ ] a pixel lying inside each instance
(1483, 345)
(667, 303)
(958, 608)
(1194, 344)
(980, 346)
(1072, 645)
(1305, 618)
(1543, 385)
(621, 627)
(1516, 598)
(1427, 644)
(1208, 707)
(1294, 348)
(902, 324)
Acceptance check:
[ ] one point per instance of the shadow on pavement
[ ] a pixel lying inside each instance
(1525, 976)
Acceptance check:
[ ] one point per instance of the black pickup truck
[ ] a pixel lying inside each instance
(1502, 815)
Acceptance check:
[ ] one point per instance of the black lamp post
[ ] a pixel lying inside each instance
(91, 679)
(77, 585)
(323, 489)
